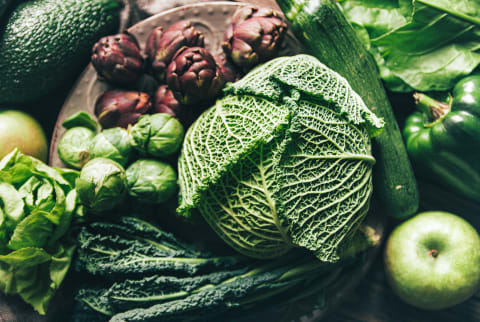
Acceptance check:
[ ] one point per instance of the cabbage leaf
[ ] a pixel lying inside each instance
(283, 160)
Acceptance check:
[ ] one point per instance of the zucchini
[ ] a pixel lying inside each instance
(325, 32)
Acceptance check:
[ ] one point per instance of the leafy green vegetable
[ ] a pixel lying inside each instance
(284, 159)
(33, 231)
(262, 282)
(185, 283)
(424, 45)
(147, 250)
(81, 119)
(151, 181)
(11, 203)
(37, 204)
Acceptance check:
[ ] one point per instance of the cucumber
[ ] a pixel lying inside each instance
(44, 43)
(324, 31)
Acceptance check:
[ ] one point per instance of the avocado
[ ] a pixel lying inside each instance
(44, 43)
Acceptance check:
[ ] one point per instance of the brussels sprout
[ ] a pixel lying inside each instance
(112, 144)
(82, 119)
(102, 184)
(158, 134)
(73, 147)
(151, 181)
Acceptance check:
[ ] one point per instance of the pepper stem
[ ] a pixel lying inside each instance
(431, 108)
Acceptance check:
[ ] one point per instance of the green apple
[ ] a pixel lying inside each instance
(432, 261)
(18, 129)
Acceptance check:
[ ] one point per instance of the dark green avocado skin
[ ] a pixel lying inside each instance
(43, 43)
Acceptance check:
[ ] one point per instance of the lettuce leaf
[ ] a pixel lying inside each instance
(37, 204)
(35, 274)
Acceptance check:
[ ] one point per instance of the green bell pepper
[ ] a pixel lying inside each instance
(443, 139)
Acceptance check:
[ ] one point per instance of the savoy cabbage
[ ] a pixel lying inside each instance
(283, 160)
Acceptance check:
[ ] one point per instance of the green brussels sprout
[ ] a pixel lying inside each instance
(102, 184)
(151, 181)
(74, 146)
(159, 135)
(82, 119)
(112, 144)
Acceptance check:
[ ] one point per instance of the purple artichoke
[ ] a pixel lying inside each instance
(194, 76)
(121, 108)
(254, 36)
(229, 71)
(118, 59)
(165, 102)
(161, 46)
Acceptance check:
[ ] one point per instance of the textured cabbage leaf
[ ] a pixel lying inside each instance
(284, 159)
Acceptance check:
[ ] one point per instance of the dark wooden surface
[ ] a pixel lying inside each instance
(372, 301)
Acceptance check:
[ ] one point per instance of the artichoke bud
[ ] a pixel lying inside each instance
(230, 72)
(118, 59)
(162, 45)
(165, 102)
(194, 76)
(254, 36)
(121, 108)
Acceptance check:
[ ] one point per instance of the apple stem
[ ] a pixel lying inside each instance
(433, 253)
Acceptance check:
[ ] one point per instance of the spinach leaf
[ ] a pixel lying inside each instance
(424, 45)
